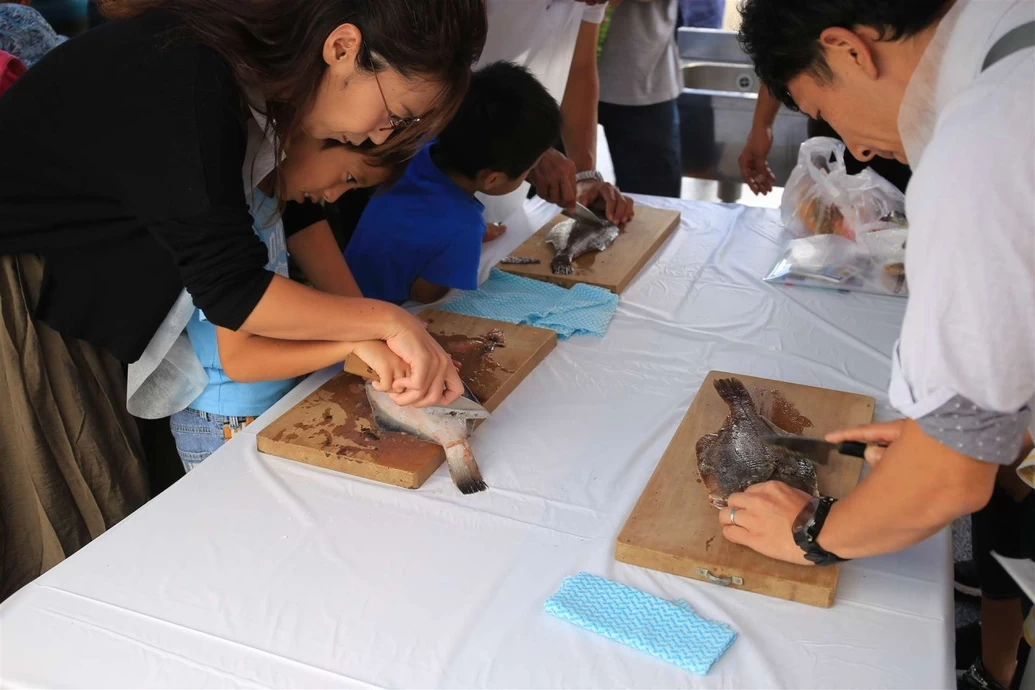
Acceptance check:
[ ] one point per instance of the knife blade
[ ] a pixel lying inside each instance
(466, 405)
(817, 449)
(580, 212)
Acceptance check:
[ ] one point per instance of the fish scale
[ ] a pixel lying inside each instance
(573, 238)
(737, 455)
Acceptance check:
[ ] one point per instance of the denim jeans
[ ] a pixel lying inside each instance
(199, 434)
(645, 146)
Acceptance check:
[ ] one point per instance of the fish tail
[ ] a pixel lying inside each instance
(733, 392)
(561, 265)
(463, 469)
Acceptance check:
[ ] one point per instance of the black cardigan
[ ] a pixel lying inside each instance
(120, 163)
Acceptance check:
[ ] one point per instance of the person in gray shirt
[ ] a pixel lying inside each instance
(639, 88)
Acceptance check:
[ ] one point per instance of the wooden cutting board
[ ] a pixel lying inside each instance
(331, 427)
(674, 528)
(612, 269)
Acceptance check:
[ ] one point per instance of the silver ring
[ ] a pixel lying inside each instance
(733, 516)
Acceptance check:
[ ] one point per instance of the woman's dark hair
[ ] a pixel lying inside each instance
(276, 46)
(782, 36)
(505, 123)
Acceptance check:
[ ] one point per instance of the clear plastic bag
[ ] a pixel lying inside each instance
(875, 264)
(821, 198)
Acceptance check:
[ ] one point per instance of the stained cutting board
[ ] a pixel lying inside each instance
(331, 427)
(612, 269)
(674, 528)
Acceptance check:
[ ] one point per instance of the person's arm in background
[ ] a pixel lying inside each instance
(316, 252)
(248, 358)
(579, 105)
(753, 164)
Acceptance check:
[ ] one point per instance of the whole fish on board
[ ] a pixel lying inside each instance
(447, 430)
(739, 455)
(572, 238)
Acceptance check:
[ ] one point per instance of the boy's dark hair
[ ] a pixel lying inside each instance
(782, 36)
(507, 120)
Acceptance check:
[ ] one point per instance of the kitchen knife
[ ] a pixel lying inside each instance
(582, 213)
(466, 405)
(816, 448)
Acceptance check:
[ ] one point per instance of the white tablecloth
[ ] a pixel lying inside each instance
(258, 571)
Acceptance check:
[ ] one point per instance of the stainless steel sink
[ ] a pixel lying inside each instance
(720, 76)
(717, 104)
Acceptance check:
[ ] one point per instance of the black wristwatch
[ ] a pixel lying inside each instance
(806, 531)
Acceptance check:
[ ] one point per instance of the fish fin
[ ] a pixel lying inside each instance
(733, 392)
(463, 469)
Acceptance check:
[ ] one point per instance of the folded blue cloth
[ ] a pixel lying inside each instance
(582, 310)
(670, 631)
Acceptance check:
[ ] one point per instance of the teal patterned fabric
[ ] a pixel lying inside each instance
(582, 310)
(670, 631)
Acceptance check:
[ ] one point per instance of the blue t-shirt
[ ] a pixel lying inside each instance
(224, 396)
(423, 226)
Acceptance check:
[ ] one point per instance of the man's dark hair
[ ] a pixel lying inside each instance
(506, 121)
(782, 36)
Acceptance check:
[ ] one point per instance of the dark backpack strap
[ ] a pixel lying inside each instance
(1014, 40)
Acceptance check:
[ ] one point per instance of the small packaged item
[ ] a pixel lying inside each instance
(875, 265)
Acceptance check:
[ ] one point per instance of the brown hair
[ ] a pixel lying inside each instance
(276, 46)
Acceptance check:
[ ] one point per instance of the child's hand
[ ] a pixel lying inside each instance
(493, 231)
(388, 365)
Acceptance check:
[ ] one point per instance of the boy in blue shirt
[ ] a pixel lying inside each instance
(424, 234)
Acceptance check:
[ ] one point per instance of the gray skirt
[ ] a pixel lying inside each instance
(71, 463)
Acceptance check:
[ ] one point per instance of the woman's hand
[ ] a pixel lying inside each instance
(876, 436)
(432, 378)
(378, 356)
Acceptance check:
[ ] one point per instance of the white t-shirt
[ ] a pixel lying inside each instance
(969, 329)
(540, 35)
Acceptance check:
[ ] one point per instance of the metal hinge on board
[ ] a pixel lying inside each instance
(721, 581)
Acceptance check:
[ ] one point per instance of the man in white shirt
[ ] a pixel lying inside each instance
(945, 86)
(557, 41)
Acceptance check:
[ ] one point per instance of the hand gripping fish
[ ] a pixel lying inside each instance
(447, 430)
(737, 455)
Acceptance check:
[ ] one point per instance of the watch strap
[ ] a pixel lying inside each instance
(806, 538)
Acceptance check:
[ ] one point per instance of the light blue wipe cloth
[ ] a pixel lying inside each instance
(670, 631)
(582, 310)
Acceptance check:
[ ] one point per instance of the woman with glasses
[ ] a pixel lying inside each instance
(121, 187)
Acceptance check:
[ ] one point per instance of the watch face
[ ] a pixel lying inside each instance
(805, 516)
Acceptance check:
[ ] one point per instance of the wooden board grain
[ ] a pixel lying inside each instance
(332, 426)
(674, 528)
(612, 269)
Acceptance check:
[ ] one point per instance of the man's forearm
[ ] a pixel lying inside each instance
(579, 105)
(918, 487)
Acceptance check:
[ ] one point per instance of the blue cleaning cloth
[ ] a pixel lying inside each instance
(582, 310)
(670, 631)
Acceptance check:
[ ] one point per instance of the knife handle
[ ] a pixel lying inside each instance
(855, 449)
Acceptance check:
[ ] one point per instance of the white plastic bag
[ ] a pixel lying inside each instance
(821, 198)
